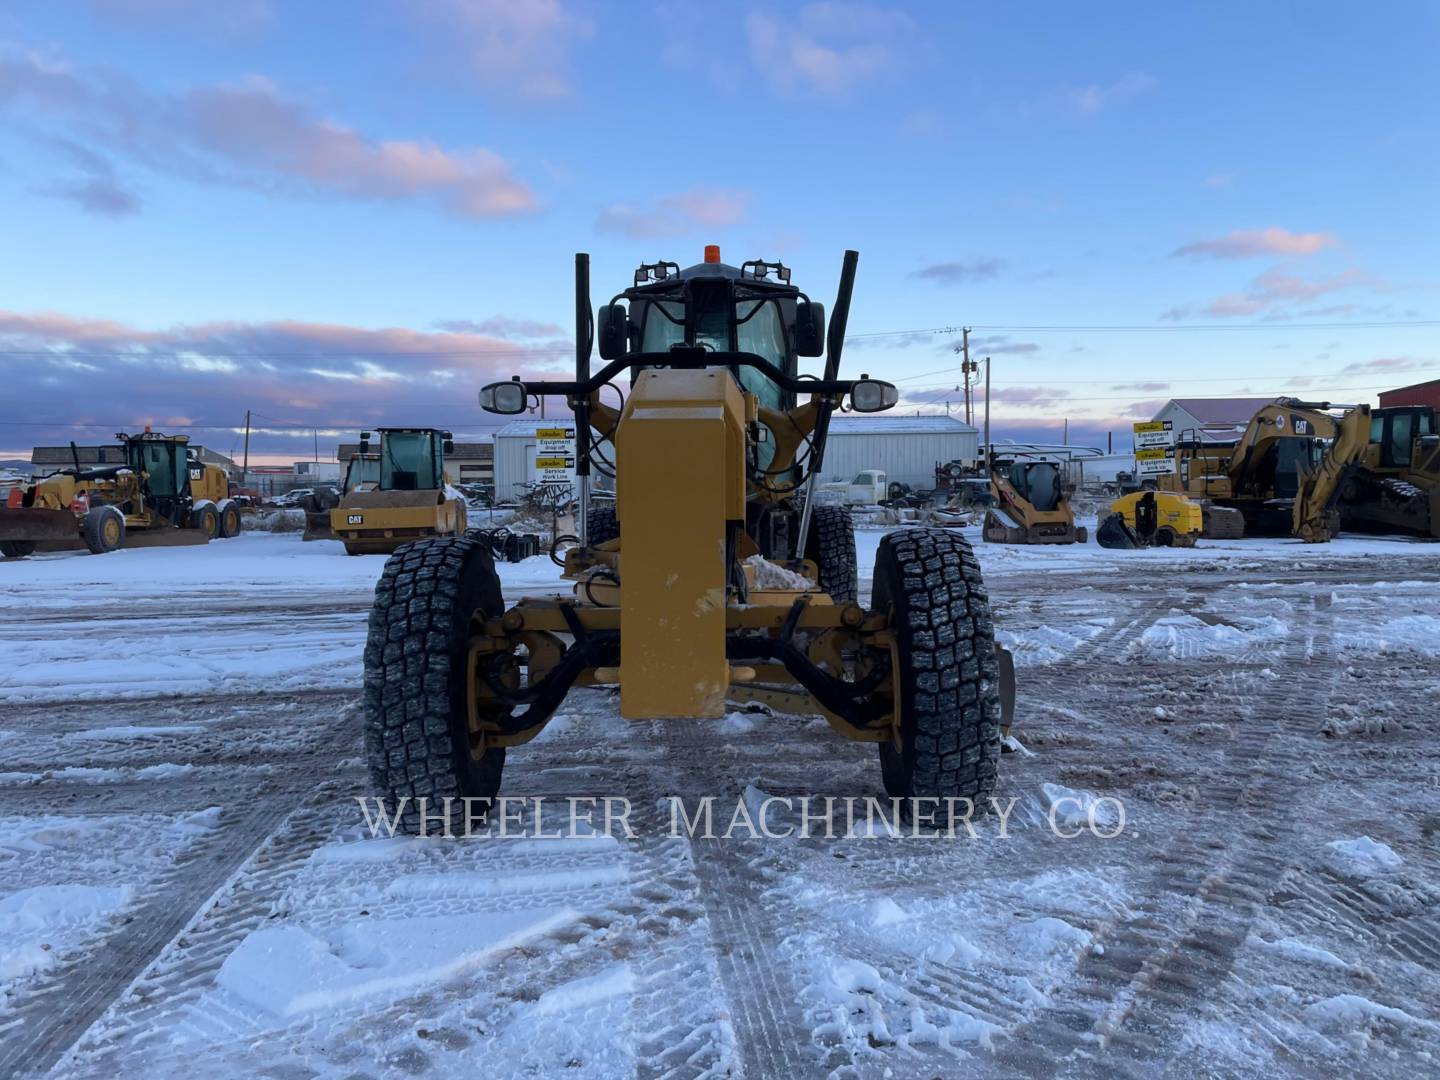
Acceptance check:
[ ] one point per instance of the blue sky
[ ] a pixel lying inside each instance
(341, 214)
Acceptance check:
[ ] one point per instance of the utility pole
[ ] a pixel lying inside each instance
(1067, 431)
(316, 433)
(245, 468)
(987, 413)
(967, 369)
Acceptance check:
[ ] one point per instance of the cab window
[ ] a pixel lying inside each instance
(1397, 447)
(760, 330)
(664, 326)
(408, 462)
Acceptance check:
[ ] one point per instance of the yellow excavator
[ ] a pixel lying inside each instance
(1030, 502)
(1279, 478)
(162, 496)
(410, 499)
(715, 578)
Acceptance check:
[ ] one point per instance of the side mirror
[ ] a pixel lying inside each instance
(505, 398)
(871, 395)
(364, 442)
(810, 329)
(448, 446)
(612, 328)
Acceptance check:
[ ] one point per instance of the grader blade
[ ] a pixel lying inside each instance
(165, 538)
(37, 525)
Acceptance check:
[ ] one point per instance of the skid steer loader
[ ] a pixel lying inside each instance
(408, 501)
(163, 496)
(712, 580)
(1030, 503)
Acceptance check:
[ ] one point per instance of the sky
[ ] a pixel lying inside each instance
(342, 215)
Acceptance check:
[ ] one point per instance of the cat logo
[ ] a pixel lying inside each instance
(355, 519)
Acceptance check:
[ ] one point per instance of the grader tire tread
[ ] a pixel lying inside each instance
(416, 742)
(832, 546)
(603, 525)
(950, 677)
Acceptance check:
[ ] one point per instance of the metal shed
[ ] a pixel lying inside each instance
(907, 447)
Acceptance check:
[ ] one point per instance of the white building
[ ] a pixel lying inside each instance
(907, 448)
(1211, 419)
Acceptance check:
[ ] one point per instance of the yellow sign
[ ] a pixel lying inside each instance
(554, 433)
(1150, 425)
(552, 463)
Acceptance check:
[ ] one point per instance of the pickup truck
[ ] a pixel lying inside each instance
(868, 488)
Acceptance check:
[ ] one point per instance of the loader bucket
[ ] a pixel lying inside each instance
(37, 524)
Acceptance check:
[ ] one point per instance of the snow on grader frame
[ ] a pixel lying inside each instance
(712, 580)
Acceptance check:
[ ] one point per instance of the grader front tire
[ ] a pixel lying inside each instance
(831, 545)
(949, 678)
(417, 738)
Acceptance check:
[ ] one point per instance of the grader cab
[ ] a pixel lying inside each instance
(712, 580)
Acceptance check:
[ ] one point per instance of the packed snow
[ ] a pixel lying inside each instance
(1213, 848)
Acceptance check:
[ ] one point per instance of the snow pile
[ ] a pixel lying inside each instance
(39, 924)
(288, 970)
(1417, 635)
(1359, 1021)
(1185, 637)
(1362, 857)
(769, 575)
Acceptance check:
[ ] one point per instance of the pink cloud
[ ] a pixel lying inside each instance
(1385, 364)
(519, 49)
(1275, 287)
(79, 370)
(1251, 243)
(676, 215)
(249, 134)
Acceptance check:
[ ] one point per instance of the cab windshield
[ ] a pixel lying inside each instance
(164, 466)
(758, 328)
(409, 461)
(362, 470)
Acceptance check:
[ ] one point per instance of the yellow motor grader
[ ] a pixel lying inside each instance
(713, 579)
(162, 496)
(1281, 477)
(1030, 502)
(409, 499)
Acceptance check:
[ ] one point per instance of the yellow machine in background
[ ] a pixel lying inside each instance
(1252, 485)
(162, 496)
(362, 473)
(409, 500)
(1151, 519)
(1395, 485)
(1031, 503)
(713, 579)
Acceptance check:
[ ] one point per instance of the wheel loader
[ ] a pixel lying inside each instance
(163, 496)
(409, 499)
(1256, 484)
(1030, 502)
(712, 580)
(1395, 486)
(362, 473)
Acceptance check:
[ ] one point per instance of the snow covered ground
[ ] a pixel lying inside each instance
(187, 886)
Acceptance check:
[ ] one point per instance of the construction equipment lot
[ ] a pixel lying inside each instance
(182, 756)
